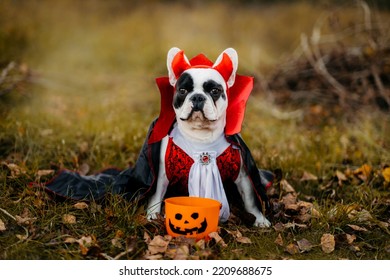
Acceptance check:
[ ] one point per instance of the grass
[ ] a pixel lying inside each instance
(92, 97)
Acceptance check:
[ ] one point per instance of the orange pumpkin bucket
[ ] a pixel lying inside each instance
(192, 217)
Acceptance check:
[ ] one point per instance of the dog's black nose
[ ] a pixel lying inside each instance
(198, 101)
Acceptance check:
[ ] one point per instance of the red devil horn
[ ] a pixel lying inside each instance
(180, 64)
(225, 67)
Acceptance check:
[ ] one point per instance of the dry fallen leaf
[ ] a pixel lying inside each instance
(357, 228)
(81, 205)
(68, 219)
(70, 240)
(304, 245)
(360, 216)
(201, 244)
(289, 199)
(15, 169)
(327, 243)
(307, 176)
(350, 238)
(147, 238)
(2, 226)
(315, 213)
(291, 207)
(244, 240)
(218, 239)
(286, 187)
(21, 236)
(25, 218)
(117, 240)
(86, 243)
(159, 244)
(279, 227)
(182, 253)
(41, 173)
(292, 249)
(279, 240)
(294, 225)
(341, 177)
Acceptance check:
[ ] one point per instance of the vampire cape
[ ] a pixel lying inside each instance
(139, 181)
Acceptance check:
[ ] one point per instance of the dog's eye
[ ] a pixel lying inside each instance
(215, 91)
(183, 91)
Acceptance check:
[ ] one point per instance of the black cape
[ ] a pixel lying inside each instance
(139, 182)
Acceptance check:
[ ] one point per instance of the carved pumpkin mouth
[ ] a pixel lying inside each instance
(189, 231)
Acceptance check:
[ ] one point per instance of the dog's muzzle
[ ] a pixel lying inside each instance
(198, 101)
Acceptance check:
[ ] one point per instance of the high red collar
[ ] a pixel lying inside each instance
(238, 95)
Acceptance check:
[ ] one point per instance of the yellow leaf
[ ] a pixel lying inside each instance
(363, 172)
(386, 174)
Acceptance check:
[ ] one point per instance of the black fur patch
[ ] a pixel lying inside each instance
(184, 86)
(214, 89)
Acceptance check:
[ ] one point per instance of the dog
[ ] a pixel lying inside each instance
(200, 104)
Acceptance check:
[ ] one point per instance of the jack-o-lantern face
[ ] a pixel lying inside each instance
(188, 225)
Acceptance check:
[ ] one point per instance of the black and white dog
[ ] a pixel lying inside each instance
(200, 103)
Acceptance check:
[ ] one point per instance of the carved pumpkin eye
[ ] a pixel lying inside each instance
(195, 215)
(178, 216)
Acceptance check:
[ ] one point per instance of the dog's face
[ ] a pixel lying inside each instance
(200, 99)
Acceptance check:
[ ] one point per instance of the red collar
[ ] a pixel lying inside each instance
(238, 95)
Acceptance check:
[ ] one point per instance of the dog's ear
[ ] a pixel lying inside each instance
(177, 63)
(226, 64)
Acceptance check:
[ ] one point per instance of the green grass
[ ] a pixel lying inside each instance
(92, 96)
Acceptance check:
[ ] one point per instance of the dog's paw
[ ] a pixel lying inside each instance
(150, 216)
(263, 223)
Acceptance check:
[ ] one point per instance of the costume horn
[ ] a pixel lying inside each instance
(177, 63)
(225, 67)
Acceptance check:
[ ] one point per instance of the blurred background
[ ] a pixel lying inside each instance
(82, 72)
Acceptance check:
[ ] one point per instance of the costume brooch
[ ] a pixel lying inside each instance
(205, 158)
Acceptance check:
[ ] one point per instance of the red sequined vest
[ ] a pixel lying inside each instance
(178, 165)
